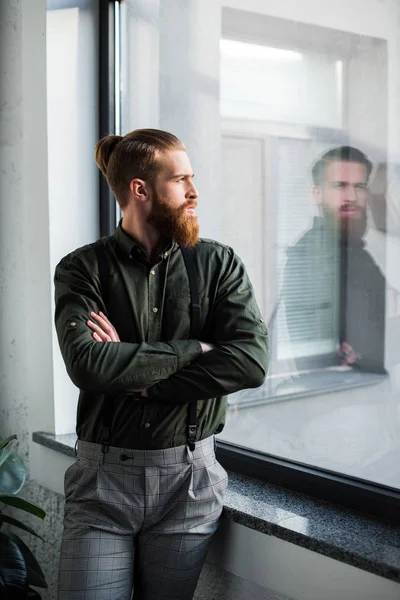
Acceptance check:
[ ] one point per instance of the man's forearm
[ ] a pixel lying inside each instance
(123, 367)
(226, 370)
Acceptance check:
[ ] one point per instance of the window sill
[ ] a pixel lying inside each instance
(304, 384)
(344, 535)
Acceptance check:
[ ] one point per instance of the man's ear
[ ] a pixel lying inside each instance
(139, 189)
(317, 193)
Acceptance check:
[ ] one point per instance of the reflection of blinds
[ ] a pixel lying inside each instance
(307, 319)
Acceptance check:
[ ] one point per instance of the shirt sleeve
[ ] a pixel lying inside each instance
(107, 367)
(240, 357)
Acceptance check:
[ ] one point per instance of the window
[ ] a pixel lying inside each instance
(260, 93)
(72, 109)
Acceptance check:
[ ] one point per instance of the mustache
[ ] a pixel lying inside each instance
(189, 204)
(358, 209)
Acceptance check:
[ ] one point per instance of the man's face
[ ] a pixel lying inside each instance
(174, 199)
(342, 197)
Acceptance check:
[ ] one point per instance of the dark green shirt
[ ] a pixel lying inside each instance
(150, 308)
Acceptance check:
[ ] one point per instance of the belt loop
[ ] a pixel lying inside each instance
(104, 450)
(192, 425)
(189, 453)
(192, 429)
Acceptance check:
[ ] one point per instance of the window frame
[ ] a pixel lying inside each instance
(352, 493)
(107, 66)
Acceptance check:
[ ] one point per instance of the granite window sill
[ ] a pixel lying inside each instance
(344, 535)
(304, 384)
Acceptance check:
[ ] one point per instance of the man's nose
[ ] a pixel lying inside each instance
(351, 194)
(192, 192)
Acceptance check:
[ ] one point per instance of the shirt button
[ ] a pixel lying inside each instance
(153, 272)
(155, 310)
(73, 324)
(147, 425)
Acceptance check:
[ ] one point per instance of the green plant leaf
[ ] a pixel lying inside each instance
(12, 472)
(17, 502)
(16, 523)
(13, 571)
(35, 573)
(4, 443)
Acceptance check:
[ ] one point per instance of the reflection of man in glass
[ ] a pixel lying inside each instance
(330, 267)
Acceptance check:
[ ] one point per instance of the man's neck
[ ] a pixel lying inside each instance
(146, 236)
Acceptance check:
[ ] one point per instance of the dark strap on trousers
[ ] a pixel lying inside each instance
(188, 257)
(103, 266)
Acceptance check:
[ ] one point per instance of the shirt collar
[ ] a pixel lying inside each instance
(131, 248)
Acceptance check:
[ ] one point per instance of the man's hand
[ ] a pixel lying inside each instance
(348, 354)
(206, 347)
(103, 329)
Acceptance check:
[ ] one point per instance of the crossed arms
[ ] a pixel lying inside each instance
(175, 370)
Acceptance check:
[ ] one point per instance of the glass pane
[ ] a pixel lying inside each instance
(72, 89)
(291, 123)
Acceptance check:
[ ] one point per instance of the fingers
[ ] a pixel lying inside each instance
(350, 356)
(98, 338)
(101, 326)
(98, 334)
(102, 316)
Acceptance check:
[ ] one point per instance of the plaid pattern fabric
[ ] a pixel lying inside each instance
(139, 520)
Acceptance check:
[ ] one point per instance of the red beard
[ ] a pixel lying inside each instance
(175, 223)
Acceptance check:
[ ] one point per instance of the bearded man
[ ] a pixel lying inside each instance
(331, 269)
(155, 326)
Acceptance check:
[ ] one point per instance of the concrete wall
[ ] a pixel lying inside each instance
(39, 218)
(26, 373)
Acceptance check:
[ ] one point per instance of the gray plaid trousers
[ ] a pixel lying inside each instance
(139, 522)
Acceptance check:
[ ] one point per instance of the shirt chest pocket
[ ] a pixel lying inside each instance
(177, 318)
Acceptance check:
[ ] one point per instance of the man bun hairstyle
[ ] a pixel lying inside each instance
(340, 154)
(137, 154)
(103, 151)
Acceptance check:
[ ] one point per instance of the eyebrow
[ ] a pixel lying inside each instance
(331, 181)
(187, 175)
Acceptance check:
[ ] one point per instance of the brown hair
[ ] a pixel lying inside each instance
(340, 154)
(137, 154)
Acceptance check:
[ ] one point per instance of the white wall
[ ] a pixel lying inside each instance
(26, 353)
(26, 341)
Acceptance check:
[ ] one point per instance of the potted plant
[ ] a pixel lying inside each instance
(19, 568)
